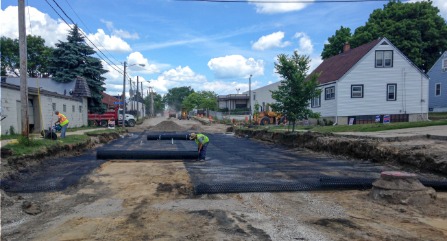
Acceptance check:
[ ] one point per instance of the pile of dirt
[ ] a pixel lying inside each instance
(167, 126)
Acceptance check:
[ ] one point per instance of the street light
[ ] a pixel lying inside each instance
(124, 90)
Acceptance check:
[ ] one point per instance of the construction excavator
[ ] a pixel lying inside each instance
(269, 117)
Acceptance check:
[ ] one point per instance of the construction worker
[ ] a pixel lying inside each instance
(202, 143)
(63, 122)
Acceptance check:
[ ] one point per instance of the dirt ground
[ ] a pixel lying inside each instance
(154, 201)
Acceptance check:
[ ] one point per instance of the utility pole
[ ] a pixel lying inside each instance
(137, 97)
(142, 104)
(23, 69)
(152, 101)
(124, 95)
(249, 97)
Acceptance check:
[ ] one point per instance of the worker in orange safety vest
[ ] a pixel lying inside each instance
(63, 122)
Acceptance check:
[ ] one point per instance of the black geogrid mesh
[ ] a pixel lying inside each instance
(233, 165)
(58, 174)
(52, 175)
(242, 165)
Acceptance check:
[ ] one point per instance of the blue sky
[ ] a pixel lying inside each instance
(208, 46)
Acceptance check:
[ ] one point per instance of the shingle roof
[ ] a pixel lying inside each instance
(333, 68)
(81, 88)
(109, 100)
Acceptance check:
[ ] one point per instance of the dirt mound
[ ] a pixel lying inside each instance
(167, 126)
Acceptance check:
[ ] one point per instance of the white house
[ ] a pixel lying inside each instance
(372, 80)
(45, 96)
(438, 85)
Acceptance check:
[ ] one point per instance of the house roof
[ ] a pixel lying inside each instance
(335, 67)
(108, 99)
(79, 87)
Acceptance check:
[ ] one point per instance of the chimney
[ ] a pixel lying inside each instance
(346, 47)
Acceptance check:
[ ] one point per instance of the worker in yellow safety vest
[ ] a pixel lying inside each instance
(63, 122)
(202, 144)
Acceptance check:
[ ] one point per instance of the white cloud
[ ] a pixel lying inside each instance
(304, 43)
(53, 31)
(441, 4)
(236, 66)
(37, 23)
(107, 42)
(138, 59)
(273, 40)
(278, 6)
(119, 32)
(178, 77)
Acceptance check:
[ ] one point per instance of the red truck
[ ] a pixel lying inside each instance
(115, 115)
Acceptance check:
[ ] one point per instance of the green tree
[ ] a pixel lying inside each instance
(74, 58)
(336, 42)
(416, 29)
(200, 100)
(175, 97)
(38, 56)
(296, 89)
(9, 56)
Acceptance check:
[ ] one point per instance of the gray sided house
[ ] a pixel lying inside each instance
(45, 96)
(373, 82)
(263, 97)
(438, 85)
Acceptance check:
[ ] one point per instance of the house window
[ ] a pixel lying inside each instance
(54, 106)
(356, 91)
(64, 108)
(438, 89)
(329, 93)
(444, 65)
(73, 109)
(391, 92)
(384, 58)
(80, 109)
(316, 101)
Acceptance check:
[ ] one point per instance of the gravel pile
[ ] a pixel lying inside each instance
(167, 126)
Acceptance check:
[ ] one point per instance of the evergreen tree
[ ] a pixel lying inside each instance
(74, 58)
(296, 90)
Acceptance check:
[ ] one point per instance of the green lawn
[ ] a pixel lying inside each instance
(360, 128)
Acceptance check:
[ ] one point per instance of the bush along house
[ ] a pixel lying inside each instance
(374, 82)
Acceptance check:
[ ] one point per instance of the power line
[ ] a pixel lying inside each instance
(283, 1)
(82, 32)
(63, 19)
(85, 25)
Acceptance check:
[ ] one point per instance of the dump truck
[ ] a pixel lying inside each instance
(115, 114)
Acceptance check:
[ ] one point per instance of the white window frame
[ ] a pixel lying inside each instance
(438, 90)
(444, 65)
(385, 57)
(388, 92)
(356, 93)
(329, 93)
